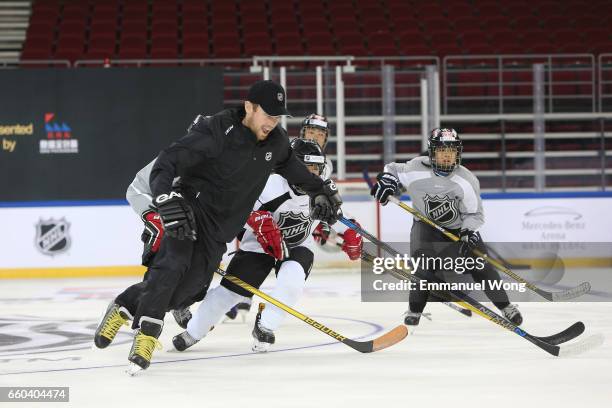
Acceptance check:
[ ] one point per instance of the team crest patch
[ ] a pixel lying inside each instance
(268, 156)
(52, 236)
(442, 210)
(295, 227)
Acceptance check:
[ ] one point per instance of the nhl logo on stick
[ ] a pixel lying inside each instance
(268, 156)
(442, 210)
(52, 236)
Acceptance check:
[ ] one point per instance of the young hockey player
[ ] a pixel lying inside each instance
(449, 194)
(223, 163)
(284, 209)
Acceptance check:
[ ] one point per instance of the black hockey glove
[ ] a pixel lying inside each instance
(326, 206)
(176, 215)
(386, 185)
(468, 240)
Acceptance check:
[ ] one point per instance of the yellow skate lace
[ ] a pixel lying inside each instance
(145, 345)
(113, 324)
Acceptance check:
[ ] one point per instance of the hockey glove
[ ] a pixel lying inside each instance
(268, 234)
(352, 243)
(321, 233)
(468, 240)
(176, 215)
(326, 206)
(152, 235)
(386, 185)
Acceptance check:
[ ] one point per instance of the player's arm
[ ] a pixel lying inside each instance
(472, 215)
(138, 193)
(261, 220)
(202, 142)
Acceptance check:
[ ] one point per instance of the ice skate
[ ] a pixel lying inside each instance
(145, 342)
(183, 341)
(263, 338)
(512, 313)
(182, 316)
(115, 317)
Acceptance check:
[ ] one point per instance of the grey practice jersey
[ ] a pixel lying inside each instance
(139, 193)
(452, 201)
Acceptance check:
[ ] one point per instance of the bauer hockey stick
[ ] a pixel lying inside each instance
(388, 339)
(574, 292)
(549, 344)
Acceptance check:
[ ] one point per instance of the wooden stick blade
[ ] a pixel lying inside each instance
(388, 339)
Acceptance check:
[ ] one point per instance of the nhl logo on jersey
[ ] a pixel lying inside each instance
(268, 156)
(442, 210)
(52, 236)
(295, 227)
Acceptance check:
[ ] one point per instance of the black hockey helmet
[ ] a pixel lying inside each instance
(318, 122)
(442, 138)
(309, 153)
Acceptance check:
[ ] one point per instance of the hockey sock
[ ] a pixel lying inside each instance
(288, 289)
(217, 301)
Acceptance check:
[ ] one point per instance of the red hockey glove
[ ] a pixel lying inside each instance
(352, 243)
(321, 233)
(152, 235)
(268, 234)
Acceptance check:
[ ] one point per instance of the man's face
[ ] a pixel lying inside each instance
(316, 134)
(260, 123)
(446, 156)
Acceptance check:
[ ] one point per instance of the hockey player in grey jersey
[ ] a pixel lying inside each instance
(449, 194)
(286, 209)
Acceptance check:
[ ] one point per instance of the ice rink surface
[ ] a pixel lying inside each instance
(46, 331)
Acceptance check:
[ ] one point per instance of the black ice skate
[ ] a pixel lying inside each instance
(411, 320)
(264, 338)
(145, 342)
(182, 317)
(512, 313)
(240, 309)
(115, 317)
(183, 341)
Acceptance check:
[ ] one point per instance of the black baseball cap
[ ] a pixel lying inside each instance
(270, 96)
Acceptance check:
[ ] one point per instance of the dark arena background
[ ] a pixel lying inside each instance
(91, 91)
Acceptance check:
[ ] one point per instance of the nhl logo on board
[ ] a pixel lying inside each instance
(268, 156)
(442, 210)
(52, 236)
(280, 96)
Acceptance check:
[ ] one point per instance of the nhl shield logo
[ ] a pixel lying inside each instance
(280, 96)
(295, 227)
(442, 210)
(268, 156)
(52, 236)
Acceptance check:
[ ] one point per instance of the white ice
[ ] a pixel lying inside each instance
(449, 360)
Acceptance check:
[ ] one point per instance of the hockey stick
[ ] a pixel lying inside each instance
(368, 180)
(388, 339)
(548, 343)
(370, 259)
(574, 292)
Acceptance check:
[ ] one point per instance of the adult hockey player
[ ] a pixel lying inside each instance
(448, 194)
(285, 209)
(223, 163)
(314, 127)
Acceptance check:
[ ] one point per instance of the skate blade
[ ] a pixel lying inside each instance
(259, 347)
(133, 369)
